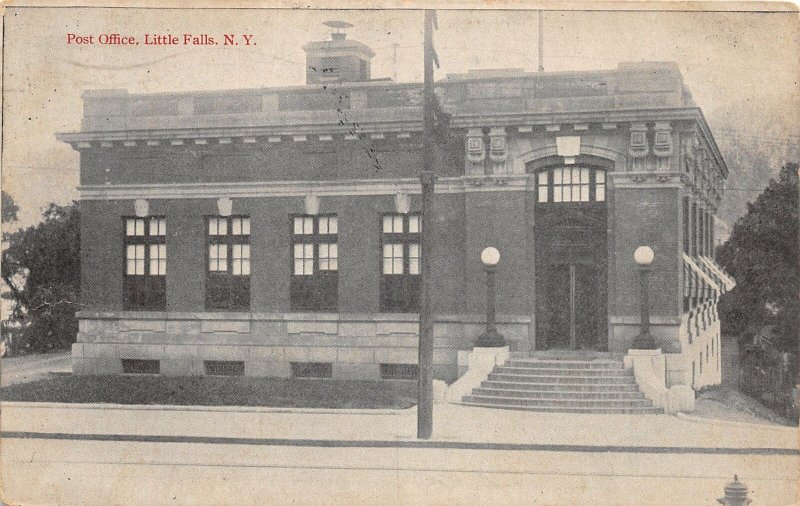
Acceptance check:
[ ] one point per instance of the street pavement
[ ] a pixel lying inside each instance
(68, 454)
(28, 368)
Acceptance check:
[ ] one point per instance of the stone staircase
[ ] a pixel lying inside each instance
(571, 385)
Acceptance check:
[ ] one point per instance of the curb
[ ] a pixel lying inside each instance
(713, 421)
(207, 409)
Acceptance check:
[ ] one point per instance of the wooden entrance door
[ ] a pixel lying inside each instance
(570, 306)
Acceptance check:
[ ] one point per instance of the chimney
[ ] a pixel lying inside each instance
(338, 59)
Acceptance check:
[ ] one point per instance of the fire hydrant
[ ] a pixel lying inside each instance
(735, 494)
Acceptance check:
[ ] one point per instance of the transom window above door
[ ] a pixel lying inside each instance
(571, 184)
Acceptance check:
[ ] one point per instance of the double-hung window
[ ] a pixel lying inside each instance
(228, 273)
(144, 284)
(400, 262)
(314, 280)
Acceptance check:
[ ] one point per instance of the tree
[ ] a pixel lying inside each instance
(763, 254)
(41, 267)
(9, 210)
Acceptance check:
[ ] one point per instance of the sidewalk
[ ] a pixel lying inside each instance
(452, 423)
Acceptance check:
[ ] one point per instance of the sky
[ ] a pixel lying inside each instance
(741, 67)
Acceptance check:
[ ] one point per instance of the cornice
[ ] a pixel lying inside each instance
(650, 179)
(263, 132)
(464, 184)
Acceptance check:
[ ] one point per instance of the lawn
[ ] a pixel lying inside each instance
(216, 391)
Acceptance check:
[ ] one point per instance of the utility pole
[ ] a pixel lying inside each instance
(427, 178)
(541, 41)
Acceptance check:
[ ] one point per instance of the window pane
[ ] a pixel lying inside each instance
(212, 251)
(308, 266)
(298, 251)
(333, 251)
(236, 267)
(584, 193)
(130, 252)
(576, 193)
(308, 225)
(140, 267)
(323, 251)
(298, 225)
(413, 224)
(600, 193)
(223, 226)
(298, 267)
(130, 227)
(323, 264)
(557, 175)
(323, 225)
(543, 194)
(584, 176)
(245, 251)
(308, 251)
(153, 266)
(397, 226)
(387, 266)
(212, 226)
(245, 226)
(157, 226)
(333, 225)
(599, 176)
(236, 226)
(575, 175)
(542, 178)
(333, 264)
(245, 267)
(397, 265)
(130, 267)
(387, 251)
(387, 224)
(557, 193)
(413, 266)
(139, 227)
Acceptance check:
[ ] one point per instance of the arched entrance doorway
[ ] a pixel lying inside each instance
(571, 252)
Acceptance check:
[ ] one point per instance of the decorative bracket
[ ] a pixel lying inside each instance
(639, 147)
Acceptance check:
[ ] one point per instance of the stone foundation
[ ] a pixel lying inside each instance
(354, 344)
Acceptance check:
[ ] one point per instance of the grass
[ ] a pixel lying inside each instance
(725, 402)
(215, 391)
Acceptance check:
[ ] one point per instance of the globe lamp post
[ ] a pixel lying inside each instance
(491, 338)
(644, 257)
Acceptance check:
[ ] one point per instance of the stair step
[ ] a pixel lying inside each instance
(569, 364)
(568, 385)
(577, 387)
(563, 371)
(549, 378)
(559, 394)
(565, 402)
(561, 409)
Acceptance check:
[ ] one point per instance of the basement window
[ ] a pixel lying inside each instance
(312, 370)
(224, 367)
(135, 366)
(399, 371)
